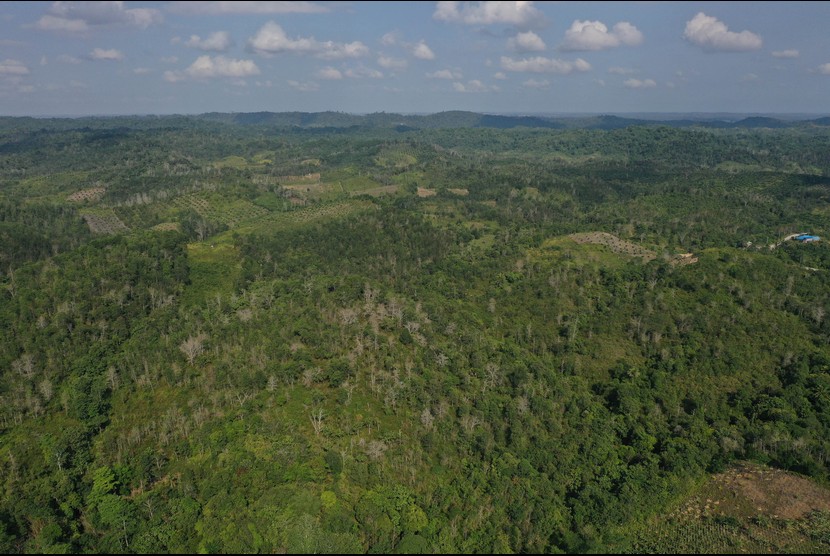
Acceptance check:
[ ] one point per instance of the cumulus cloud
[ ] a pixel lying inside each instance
(142, 71)
(824, 69)
(271, 39)
(330, 73)
(13, 67)
(387, 62)
(390, 39)
(789, 53)
(81, 17)
(536, 84)
(499, 75)
(206, 67)
(594, 35)
(221, 8)
(445, 74)
(474, 86)
(521, 14)
(304, 86)
(110, 54)
(621, 71)
(67, 59)
(361, 72)
(714, 36)
(540, 64)
(422, 51)
(526, 42)
(639, 83)
(219, 41)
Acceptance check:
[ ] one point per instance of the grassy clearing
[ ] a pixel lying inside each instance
(217, 209)
(214, 267)
(89, 195)
(52, 186)
(103, 221)
(395, 159)
(747, 509)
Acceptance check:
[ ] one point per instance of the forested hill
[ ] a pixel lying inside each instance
(308, 335)
(401, 122)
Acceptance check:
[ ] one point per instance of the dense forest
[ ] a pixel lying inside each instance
(458, 333)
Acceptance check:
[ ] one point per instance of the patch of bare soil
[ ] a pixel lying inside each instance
(614, 243)
(91, 195)
(773, 492)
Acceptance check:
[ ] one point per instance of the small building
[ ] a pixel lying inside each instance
(806, 238)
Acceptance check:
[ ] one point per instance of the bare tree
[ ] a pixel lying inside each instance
(193, 347)
(317, 417)
(46, 389)
(25, 366)
(310, 375)
(427, 418)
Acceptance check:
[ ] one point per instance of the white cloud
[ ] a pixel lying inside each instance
(67, 59)
(173, 76)
(499, 75)
(26, 89)
(170, 59)
(304, 86)
(536, 84)
(80, 17)
(746, 78)
(220, 8)
(540, 64)
(62, 25)
(445, 74)
(621, 71)
(639, 83)
(142, 71)
(13, 67)
(206, 67)
(387, 62)
(474, 86)
(824, 69)
(594, 35)
(526, 42)
(714, 36)
(362, 71)
(487, 13)
(789, 53)
(422, 51)
(390, 39)
(329, 72)
(271, 39)
(219, 41)
(43, 60)
(110, 54)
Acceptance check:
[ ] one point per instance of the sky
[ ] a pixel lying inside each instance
(102, 58)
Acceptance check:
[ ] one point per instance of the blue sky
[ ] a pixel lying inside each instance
(79, 58)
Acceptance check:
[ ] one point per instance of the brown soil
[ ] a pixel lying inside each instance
(773, 492)
(614, 243)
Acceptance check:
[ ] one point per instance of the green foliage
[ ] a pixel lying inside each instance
(303, 371)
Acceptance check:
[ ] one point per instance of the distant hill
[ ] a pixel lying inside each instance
(453, 119)
(464, 119)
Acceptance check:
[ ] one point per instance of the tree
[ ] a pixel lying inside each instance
(193, 347)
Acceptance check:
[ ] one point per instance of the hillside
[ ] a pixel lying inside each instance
(448, 333)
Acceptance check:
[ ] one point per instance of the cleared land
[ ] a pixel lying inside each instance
(747, 509)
